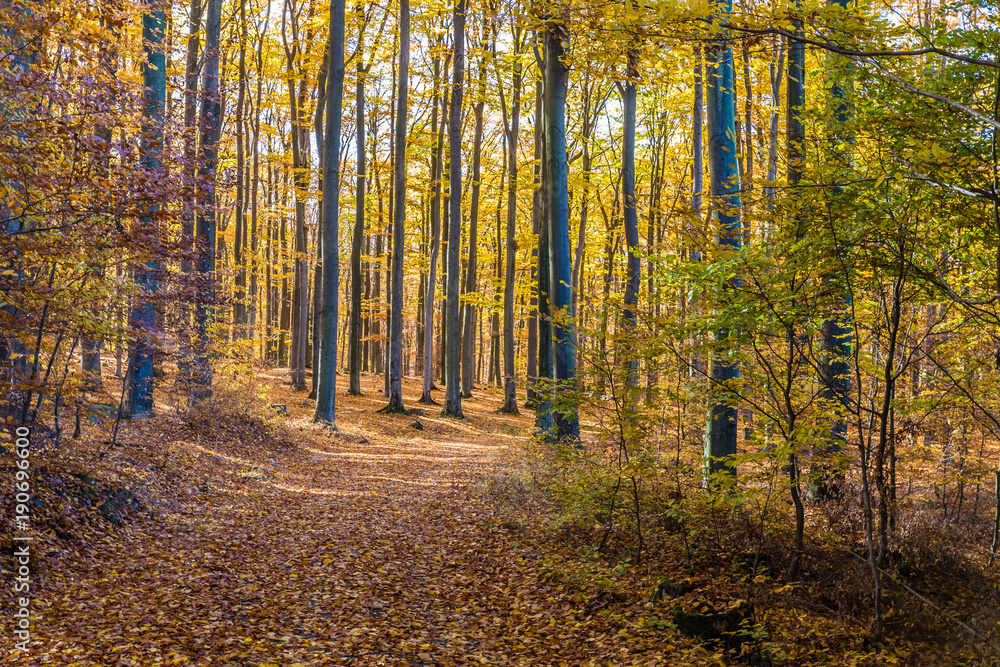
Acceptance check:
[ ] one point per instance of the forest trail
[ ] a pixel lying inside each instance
(375, 546)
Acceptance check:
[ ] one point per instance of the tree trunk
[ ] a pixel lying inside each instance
(285, 314)
(532, 398)
(720, 430)
(91, 345)
(300, 180)
(469, 330)
(327, 372)
(453, 389)
(189, 194)
(254, 296)
(836, 333)
(437, 127)
(354, 353)
(399, 217)
(239, 244)
(211, 111)
(631, 300)
(557, 217)
(510, 386)
(776, 69)
(143, 318)
(697, 150)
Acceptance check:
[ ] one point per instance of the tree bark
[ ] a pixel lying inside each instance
(239, 243)
(513, 129)
(354, 352)
(327, 372)
(835, 347)
(437, 127)
(211, 112)
(469, 329)
(720, 431)
(532, 399)
(399, 217)
(631, 300)
(557, 217)
(143, 318)
(453, 389)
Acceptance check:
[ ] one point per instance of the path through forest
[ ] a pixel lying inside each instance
(377, 546)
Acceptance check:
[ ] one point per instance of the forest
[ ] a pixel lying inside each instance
(500, 332)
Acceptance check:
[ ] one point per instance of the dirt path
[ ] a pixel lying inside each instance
(372, 547)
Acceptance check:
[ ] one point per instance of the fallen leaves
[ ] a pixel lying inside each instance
(296, 547)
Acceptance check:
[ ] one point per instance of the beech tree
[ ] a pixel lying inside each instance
(512, 123)
(327, 390)
(154, 79)
(452, 327)
(205, 230)
(720, 431)
(557, 222)
(395, 366)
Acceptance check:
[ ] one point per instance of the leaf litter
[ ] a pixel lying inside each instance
(288, 544)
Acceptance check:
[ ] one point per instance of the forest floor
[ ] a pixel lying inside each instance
(372, 546)
(229, 538)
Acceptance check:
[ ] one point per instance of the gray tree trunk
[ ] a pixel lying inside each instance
(513, 129)
(557, 218)
(437, 127)
(354, 341)
(631, 300)
(327, 371)
(453, 389)
(720, 431)
(205, 230)
(836, 332)
(469, 329)
(239, 243)
(395, 374)
(143, 318)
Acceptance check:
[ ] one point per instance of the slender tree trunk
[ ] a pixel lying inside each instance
(399, 217)
(312, 351)
(189, 192)
(720, 431)
(359, 224)
(435, 240)
(557, 217)
(776, 69)
(453, 389)
(239, 244)
(327, 372)
(143, 319)
(296, 71)
(836, 332)
(495, 374)
(697, 150)
(91, 345)
(445, 231)
(631, 218)
(270, 259)
(532, 398)
(211, 112)
(469, 330)
(285, 315)
(510, 386)
(254, 296)
(377, 279)
(587, 123)
(794, 136)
